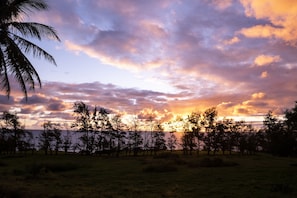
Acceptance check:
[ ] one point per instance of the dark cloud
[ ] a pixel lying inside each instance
(27, 110)
(105, 95)
(34, 99)
(243, 111)
(55, 105)
(4, 100)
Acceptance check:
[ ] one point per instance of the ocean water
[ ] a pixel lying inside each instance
(74, 138)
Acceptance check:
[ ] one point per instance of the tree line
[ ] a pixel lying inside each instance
(103, 133)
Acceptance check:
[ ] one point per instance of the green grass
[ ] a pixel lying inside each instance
(168, 175)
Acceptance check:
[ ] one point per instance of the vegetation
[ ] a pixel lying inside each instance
(13, 137)
(14, 44)
(102, 133)
(170, 175)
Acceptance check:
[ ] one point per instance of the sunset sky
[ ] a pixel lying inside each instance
(164, 57)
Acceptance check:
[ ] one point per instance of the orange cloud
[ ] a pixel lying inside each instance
(232, 41)
(262, 60)
(281, 13)
(253, 106)
(264, 74)
(258, 95)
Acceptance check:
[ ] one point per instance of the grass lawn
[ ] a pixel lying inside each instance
(147, 177)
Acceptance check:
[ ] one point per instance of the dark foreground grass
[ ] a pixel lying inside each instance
(169, 175)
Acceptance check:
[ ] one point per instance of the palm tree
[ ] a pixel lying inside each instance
(14, 44)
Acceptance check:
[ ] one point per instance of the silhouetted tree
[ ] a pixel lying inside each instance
(195, 119)
(173, 126)
(14, 44)
(107, 132)
(119, 132)
(171, 141)
(220, 141)
(209, 118)
(290, 123)
(50, 138)
(13, 133)
(252, 143)
(233, 136)
(188, 139)
(46, 137)
(57, 140)
(159, 142)
(208, 122)
(291, 119)
(282, 134)
(188, 142)
(83, 124)
(242, 143)
(275, 132)
(67, 142)
(262, 142)
(26, 142)
(134, 137)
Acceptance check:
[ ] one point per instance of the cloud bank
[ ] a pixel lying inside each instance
(237, 55)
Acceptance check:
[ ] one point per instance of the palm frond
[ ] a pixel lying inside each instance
(20, 67)
(29, 73)
(35, 30)
(36, 51)
(14, 8)
(4, 80)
